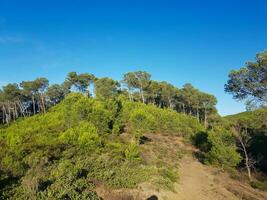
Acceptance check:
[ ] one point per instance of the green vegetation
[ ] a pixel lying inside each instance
(218, 147)
(65, 152)
(237, 141)
(223, 151)
(252, 126)
(32, 97)
(62, 141)
(240, 140)
(249, 83)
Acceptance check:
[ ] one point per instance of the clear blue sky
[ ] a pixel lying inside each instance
(176, 41)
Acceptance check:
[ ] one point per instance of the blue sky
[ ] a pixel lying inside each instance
(177, 41)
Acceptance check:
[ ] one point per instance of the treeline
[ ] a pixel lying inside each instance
(36, 96)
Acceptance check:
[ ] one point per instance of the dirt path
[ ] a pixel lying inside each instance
(196, 182)
(201, 182)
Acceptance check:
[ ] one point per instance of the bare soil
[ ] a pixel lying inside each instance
(196, 182)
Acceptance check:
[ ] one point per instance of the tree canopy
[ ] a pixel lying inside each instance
(250, 82)
(36, 96)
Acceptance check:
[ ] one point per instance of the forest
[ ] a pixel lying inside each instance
(61, 141)
(31, 97)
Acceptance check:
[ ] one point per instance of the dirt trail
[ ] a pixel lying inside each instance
(201, 182)
(196, 182)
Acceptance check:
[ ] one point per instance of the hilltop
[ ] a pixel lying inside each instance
(85, 148)
(83, 142)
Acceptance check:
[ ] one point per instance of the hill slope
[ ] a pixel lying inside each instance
(254, 123)
(85, 148)
(83, 142)
(196, 181)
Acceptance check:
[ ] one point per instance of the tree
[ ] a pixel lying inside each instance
(106, 88)
(84, 82)
(250, 82)
(55, 93)
(168, 93)
(129, 81)
(35, 89)
(30, 91)
(81, 82)
(189, 96)
(244, 140)
(41, 85)
(10, 95)
(153, 93)
(208, 103)
(137, 80)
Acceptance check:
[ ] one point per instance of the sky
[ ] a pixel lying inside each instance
(196, 42)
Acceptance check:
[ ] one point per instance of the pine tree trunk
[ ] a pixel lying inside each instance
(6, 115)
(21, 109)
(198, 115)
(43, 103)
(33, 104)
(246, 157)
(142, 93)
(205, 118)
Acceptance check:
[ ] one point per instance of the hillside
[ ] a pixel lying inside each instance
(196, 181)
(253, 119)
(85, 148)
(83, 142)
(254, 124)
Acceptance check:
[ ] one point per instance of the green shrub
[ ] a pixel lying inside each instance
(223, 149)
(84, 134)
(58, 155)
(261, 185)
(132, 152)
(154, 119)
(200, 140)
(167, 177)
(141, 122)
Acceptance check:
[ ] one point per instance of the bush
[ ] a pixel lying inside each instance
(200, 140)
(223, 149)
(84, 134)
(141, 122)
(261, 185)
(60, 154)
(153, 119)
(132, 152)
(86, 109)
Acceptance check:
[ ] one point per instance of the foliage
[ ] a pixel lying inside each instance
(149, 118)
(62, 153)
(254, 125)
(36, 96)
(106, 88)
(259, 185)
(200, 140)
(141, 122)
(169, 176)
(132, 152)
(84, 134)
(223, 151)
(250, 82)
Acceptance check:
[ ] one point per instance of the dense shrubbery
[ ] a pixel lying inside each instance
(150, 118)
(237, 141)
(253, 128)
(218, 146)
(61, 154)
(223, 150)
